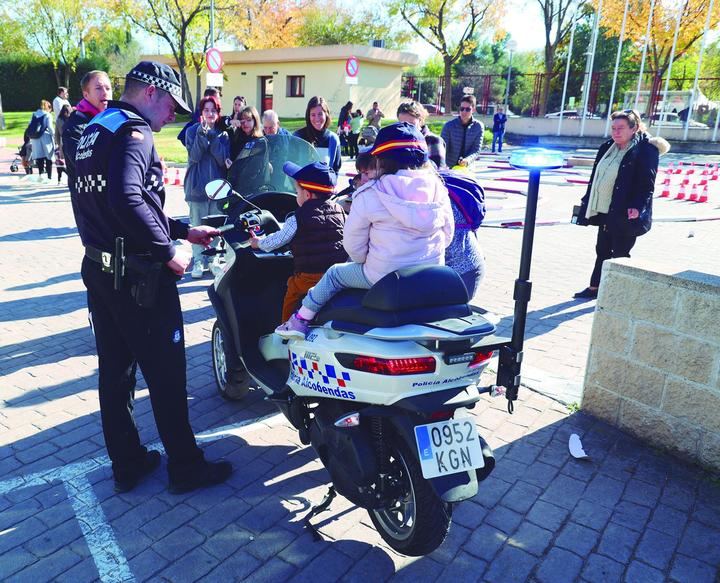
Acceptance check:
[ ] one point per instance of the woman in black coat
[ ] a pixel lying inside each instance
(620, 193)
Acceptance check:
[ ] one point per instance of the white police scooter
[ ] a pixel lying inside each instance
(380, 385)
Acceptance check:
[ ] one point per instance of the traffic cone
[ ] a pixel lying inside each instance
(665, 192)
(681, 193)
(166, 178)
(679, 168)
(703, 182)
(714, 176)
(704, 196)
(690, 171)
(177, 182)
(666, 182)
(670, 168)
(685, 182)
(693, 193)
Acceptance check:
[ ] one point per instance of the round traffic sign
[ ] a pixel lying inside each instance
(214, 60)
(352, 67)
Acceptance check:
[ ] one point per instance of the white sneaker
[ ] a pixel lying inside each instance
(197, 270)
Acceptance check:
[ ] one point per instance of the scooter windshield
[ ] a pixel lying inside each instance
(259, 165)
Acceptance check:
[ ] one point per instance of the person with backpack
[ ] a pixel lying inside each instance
(40, 131)
(467, 199)
(402, 218)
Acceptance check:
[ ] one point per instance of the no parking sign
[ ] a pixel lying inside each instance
(352, 67)
(214, 60)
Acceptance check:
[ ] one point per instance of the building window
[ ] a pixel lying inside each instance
(296, 86)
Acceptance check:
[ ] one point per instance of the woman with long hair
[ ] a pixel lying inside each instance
(208, 152)
(247, 127)
(316, 133)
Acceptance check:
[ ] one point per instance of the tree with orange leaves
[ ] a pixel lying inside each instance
(662, 31)
(266, 24)
(436, 22)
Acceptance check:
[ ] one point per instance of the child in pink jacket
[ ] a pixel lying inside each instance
(401, 219)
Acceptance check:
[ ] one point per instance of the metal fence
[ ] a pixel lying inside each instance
(658, 106)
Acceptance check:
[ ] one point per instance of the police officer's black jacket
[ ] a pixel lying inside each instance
(120, 186)
(72, 132)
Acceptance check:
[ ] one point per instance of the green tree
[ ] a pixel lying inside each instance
(434, 20)
(118, 47)
(60, 30)
(175, 21)
(557, 18)
(13, 41)
(328, 25)
(604, 65)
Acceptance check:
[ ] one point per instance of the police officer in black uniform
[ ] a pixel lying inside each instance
(130, 269)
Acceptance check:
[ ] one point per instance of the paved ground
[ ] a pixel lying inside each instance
(629, 513)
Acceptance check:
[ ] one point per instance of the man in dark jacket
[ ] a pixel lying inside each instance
(130, 271)
(463, 135)
(499, 121)
(96, 90)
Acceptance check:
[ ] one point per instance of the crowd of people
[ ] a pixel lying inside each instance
(400, 212)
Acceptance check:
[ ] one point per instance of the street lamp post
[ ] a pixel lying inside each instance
(212, 23)
(511, 46)
(534, 160)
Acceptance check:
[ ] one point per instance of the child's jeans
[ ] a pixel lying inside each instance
(339, 277)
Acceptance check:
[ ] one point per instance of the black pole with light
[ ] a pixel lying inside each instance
(535, 160)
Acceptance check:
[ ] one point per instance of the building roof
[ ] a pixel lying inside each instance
(321, 53)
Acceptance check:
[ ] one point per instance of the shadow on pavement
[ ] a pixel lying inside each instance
(628, 511)
(49, 281)
(42, 306)
(546, 319)
(41, 234)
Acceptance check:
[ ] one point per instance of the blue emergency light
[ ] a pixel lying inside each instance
(536, 159)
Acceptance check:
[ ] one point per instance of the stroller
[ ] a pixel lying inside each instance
(367, 136)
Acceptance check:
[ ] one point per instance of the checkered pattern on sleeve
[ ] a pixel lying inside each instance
(91, 183)
(154, 183)
(163, 84)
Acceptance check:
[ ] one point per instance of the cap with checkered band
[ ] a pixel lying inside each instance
(163, 77)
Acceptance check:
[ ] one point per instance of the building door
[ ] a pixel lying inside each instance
(266, 93)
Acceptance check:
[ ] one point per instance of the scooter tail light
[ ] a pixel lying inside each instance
(480, 359)
(440, 415)
(350, 420)
(388, 366)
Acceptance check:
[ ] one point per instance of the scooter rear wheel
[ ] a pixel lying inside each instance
(416, 522)
(232, 379)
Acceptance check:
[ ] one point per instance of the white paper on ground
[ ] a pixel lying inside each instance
(576, 448)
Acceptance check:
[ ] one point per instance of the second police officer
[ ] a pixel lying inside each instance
(130, 269)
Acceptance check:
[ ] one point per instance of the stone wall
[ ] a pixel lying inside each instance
(654, 362)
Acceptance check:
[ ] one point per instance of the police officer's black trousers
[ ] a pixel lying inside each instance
(126, 335)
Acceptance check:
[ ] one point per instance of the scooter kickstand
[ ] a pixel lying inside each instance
(317, 510)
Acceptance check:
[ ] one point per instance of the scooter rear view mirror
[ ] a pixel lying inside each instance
(218, 189)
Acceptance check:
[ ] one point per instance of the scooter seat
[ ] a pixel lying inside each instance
(413, 295)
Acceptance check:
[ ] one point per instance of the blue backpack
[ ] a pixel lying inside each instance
(468, 196)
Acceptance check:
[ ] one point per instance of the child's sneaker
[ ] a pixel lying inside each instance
(294, 328)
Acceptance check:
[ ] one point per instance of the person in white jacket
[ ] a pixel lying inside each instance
(401, 219)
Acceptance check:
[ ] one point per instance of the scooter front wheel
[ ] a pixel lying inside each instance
(417, 521)
(232, 380)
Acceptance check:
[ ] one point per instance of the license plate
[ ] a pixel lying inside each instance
(448, 447)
